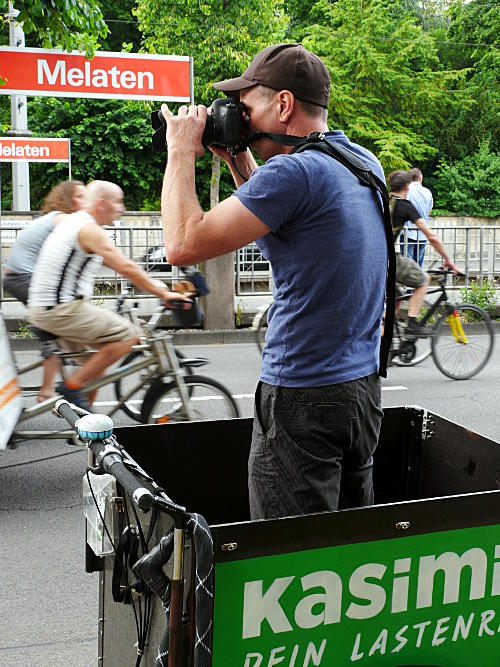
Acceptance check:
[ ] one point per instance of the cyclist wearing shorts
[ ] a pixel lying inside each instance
(63, 285)
(64, 198)
(408, 272)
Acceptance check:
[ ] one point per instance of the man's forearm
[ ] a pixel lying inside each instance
(438, 245)
(140, 279)
(246, 165)
(180, 209)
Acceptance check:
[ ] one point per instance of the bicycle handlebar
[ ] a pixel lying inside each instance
(109, 458)
(66, 411)
(443, 272)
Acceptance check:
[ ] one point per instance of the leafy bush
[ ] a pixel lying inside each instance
(484, 296)
(110, 140)
(470, 186)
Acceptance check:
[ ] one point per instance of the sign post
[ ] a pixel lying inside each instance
(19, 123)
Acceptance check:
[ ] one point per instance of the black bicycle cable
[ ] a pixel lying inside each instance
(147, 607)
(147, 603)
(117, 558)
(141, 639)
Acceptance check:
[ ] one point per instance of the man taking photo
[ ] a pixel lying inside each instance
(317, 405)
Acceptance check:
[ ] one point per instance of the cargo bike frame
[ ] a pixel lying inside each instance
(413, 580)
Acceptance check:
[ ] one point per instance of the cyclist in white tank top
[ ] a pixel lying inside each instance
(64, 271)
(62, 286)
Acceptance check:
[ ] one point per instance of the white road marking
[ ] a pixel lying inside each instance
(219, 398)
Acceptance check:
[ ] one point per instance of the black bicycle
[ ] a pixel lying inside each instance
(462, 337)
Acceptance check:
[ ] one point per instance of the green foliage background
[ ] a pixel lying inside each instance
(415, 81)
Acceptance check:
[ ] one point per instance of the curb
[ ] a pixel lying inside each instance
(185, 337)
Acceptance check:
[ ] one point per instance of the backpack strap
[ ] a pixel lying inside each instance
(318, 141)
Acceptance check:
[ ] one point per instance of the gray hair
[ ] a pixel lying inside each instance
(310, 109)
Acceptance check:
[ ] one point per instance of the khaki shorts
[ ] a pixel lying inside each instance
(82, 323)
(409, 273)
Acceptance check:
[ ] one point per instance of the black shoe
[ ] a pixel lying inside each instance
(413, 328)
(75, 396)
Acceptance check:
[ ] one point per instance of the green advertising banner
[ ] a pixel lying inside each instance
(425, 600)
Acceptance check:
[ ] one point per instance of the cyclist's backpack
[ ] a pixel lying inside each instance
(319, 142)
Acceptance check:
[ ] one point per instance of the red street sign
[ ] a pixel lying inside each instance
(132, 76)
(16, 149)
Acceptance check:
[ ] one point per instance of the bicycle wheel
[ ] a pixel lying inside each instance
(408, 352)
(132, 406)
(463, 342)
(259, 325)
(209, 400)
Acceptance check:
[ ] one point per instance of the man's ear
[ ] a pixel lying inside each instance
(287, 105)
(98, 209)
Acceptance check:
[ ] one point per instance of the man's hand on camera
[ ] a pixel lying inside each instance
(185, 130)
(245, 162)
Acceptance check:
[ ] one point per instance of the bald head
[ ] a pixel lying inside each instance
(101, 190)
(104, 201)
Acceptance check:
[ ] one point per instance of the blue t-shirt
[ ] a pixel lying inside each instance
(422, 200)
(328, 254)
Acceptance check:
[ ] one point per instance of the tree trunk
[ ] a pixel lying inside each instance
(219, 273)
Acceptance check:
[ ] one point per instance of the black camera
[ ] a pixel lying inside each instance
(222, 128)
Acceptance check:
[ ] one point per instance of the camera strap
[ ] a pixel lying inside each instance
(318, 141)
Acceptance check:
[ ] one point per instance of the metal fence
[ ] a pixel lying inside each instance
(475, 249)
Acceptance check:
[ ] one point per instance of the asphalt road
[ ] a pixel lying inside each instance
(48, 614)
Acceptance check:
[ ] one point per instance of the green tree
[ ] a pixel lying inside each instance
(67, 24)
(473, 45)
(123, 26)
(222, 37)
(388, 90)
(110, 140)
(470, 186)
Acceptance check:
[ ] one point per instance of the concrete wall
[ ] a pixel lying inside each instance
(153, 218)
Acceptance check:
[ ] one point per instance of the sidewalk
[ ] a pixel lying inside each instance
(14, 314)
(184, 337)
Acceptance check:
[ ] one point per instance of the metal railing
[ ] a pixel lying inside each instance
(475, 249)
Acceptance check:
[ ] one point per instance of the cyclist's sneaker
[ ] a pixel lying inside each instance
(416, 329)
(75, 396)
